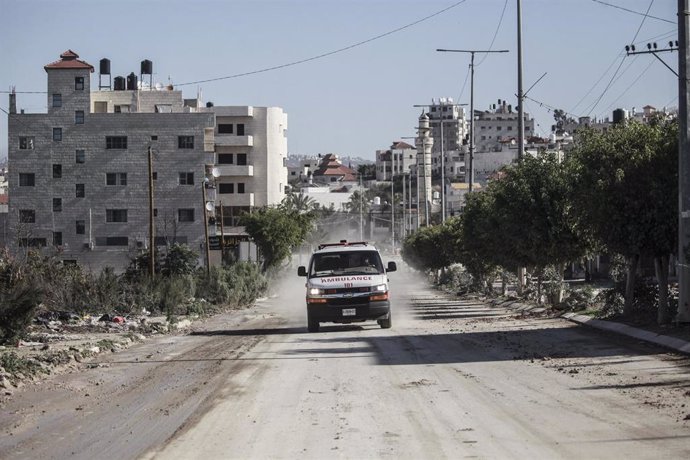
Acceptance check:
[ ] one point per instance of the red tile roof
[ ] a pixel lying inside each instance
(401, 145)
(69, 60)
(330, 166)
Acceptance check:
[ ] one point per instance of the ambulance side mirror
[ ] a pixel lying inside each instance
(301, 271)
(391, 267)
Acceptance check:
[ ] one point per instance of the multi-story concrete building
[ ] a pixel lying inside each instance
(80, 176)
(449, 128)
(400, 159)
(499, 125)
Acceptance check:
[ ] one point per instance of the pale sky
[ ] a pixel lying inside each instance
(361, 99)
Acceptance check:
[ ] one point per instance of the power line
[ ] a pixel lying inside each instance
(329, 53)
(498, 27)
(464, 84)
(630, 86)
(309, 59)
(621, 55)
(634, 12)
(623, 60)
(643, 19)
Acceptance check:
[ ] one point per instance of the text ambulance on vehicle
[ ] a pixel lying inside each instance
(346, 283)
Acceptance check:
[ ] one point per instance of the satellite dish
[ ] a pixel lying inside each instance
(209, 206)
(215, 172)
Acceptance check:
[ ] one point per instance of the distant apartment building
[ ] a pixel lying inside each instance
(450, 131)
(79, 179)
(400, 158)
(497, 126)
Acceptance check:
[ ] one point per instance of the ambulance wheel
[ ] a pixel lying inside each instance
(386, 322)
(312, 325)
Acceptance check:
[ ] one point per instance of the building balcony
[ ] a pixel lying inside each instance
(231, 140)
(235, 199)
(236, 170)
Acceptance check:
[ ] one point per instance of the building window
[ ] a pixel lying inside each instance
(57, 238)
(226, 188)
(26, 143)
(510, 128)
(155, 212)
(27, 216)
(57, 134)
(57, 204)
(186, 178)
(185, 142)
(57, 100)
(115, 142)
(33, 242)
(121, 108)
(80, 227)
(27, 179)
(154, 138)
(241, 159)
(225, 128)
(155, 175)
(80, 191)
(115, 215)
(115, 241)
(100, 107)
(57, 171)
(240, 129)
(79, 117)
(79, 156)
(116, 179)
(240, 187)
(498, 128)
(79, 83)
(226, 158)
(185, 215)
(163, 108)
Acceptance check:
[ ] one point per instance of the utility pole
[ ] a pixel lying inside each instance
(205, 217)
(683, 164)
(472, 53)
(152, 233)
(520, 95)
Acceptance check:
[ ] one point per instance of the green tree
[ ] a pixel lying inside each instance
(276, 232)
(179, 259)
(627, 182)
(299, 203)
(533, 206)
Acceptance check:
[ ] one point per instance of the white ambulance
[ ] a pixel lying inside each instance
(347, 283)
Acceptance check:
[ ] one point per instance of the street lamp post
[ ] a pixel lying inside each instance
(472, 53)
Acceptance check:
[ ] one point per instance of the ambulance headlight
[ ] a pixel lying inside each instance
(379, 288)
(315, 291)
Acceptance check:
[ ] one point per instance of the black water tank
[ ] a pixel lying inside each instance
(146, 67)
(119, 83)
(132, 82)
(619, 115)
(105, 66)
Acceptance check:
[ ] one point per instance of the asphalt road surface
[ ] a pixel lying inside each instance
(451, 379)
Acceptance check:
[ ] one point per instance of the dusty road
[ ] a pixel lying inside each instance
(451, 379)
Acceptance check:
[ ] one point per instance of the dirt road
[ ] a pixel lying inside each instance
(451, 379)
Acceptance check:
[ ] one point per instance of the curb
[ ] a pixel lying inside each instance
(665, 341)
(673, 343)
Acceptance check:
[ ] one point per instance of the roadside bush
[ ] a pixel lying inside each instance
(610, 302)
(174, 293)
(20, 295)
(246, 283)
(212, 285)
(578, 299)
